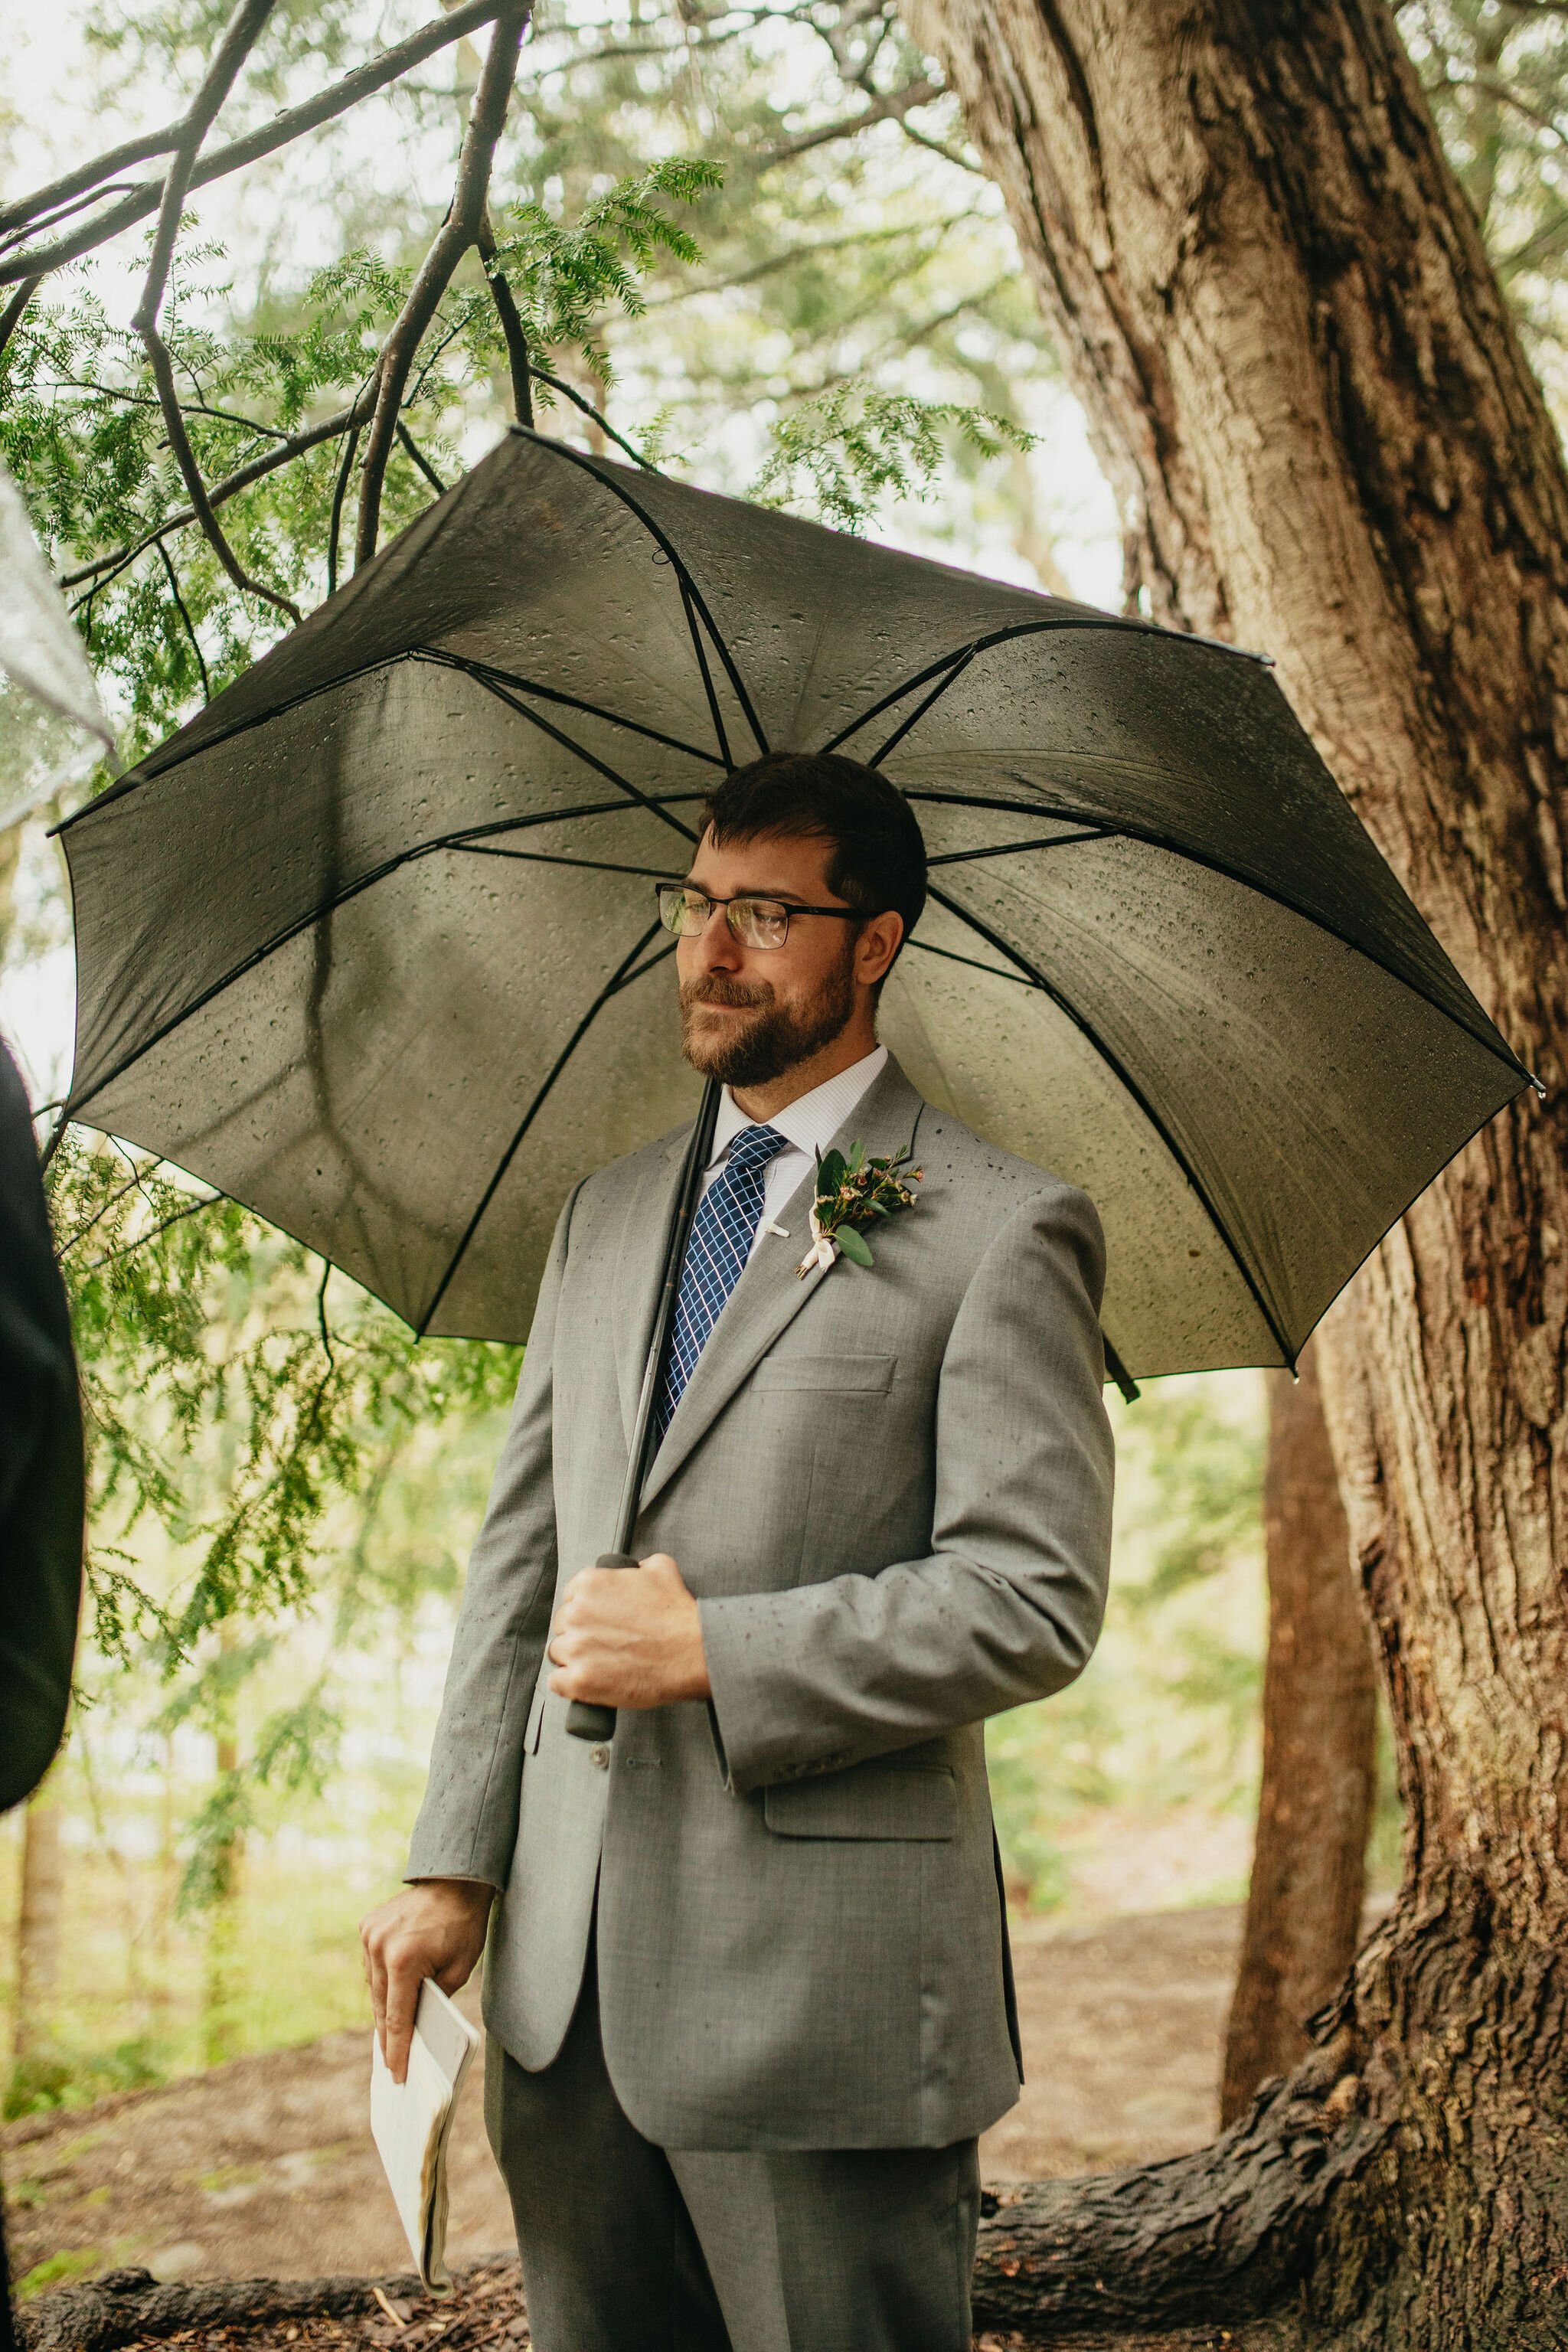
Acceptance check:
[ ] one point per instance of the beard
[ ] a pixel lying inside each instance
(754, 1052)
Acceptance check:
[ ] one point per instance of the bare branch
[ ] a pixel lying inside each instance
(53, 220)
(588, 409)
(938, 147)
(1548, 240)
(458, 232)
(347, 419)
(191, 408)
(11, 316)
(88, 176)
(110, 1200)
(190, 473)
(239, 40)
(365, 79)
(180, 608)
(890, 108)
(141, 1240)
(420, 459)
(619, 52)
(511, 325)
(334, 529)
(321, 1319)
(809, 247)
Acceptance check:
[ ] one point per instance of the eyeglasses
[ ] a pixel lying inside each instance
(755, 923)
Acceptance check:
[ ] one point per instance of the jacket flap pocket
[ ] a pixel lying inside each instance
(874, 1801)
(536, 1712)
(872, 1375)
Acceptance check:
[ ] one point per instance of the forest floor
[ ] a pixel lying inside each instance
(264, 2168)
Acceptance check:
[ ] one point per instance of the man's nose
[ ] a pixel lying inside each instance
(715, 946)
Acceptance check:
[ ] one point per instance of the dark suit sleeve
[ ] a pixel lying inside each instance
(1008, 1606)
(468, 1824)
(41, 1477)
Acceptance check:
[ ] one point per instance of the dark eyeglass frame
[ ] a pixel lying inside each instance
(779, 907)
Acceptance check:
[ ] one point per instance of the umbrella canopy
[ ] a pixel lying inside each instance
(372, 943)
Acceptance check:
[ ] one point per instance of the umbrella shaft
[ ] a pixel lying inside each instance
(598, 1723)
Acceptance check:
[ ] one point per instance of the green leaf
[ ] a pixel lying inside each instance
(830, 1172)
(852, 1247)
(856, 1158)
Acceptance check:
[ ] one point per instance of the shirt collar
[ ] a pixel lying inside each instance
(812, 1121)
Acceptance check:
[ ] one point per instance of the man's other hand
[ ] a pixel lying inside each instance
(629, 1637)
(436, 1929)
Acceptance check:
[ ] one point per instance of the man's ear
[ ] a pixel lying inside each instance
(875, 945)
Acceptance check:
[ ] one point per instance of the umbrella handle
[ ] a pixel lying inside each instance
(584, 1721)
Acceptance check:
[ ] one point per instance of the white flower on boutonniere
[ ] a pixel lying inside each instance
(851, 1193)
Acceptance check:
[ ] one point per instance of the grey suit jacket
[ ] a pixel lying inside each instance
(890, 1492)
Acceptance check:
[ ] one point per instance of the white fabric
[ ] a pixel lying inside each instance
(50, 701)
(811, 1122)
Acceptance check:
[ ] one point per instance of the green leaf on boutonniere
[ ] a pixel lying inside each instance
(855, 1192)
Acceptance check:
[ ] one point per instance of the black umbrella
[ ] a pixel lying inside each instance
(372, 943)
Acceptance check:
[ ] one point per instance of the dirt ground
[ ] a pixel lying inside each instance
(265, 2168)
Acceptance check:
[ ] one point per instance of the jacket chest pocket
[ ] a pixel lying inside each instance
(917, 1802)
(840, 1375)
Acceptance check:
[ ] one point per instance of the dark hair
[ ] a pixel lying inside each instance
(879, 853)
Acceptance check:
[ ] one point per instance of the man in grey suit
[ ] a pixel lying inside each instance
(747, 1985)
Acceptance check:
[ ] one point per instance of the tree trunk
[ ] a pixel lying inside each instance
(38, 1923)
(1272, 299)
(1320, 1759)
(220, 1986)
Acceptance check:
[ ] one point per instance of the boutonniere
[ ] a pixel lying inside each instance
(852, 1194)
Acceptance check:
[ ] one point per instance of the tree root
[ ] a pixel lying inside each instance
(1205, 2242)
(128, 2306)
(1220, 2236)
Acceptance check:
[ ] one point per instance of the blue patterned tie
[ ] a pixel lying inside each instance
(722, 1233)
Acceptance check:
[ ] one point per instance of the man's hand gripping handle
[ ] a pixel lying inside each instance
(584, 1721)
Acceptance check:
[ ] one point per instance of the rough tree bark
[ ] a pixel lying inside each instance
(1320, 1754)
(1325, 442)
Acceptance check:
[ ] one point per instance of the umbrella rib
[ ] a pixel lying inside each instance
(617, 980)
(993, 800)
(484, 672)
(1152, 840)
(662, 956)
(590, 759)
(956, 671)
(545, 857)
(481, 674)
(74, 1104)
(714, 711)
(146, 772)
(1114, 1063)
(585, 465)
(964, 655)
(972, 964)
(1012, 848)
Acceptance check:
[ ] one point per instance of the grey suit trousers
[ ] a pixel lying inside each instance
(628, 2247)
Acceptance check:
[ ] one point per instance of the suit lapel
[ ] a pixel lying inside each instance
(639, 1267)
(769, 1294)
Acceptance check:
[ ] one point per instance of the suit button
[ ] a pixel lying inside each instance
(601, 1755)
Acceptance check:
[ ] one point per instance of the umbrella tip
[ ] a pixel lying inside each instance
(1119, 1371)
